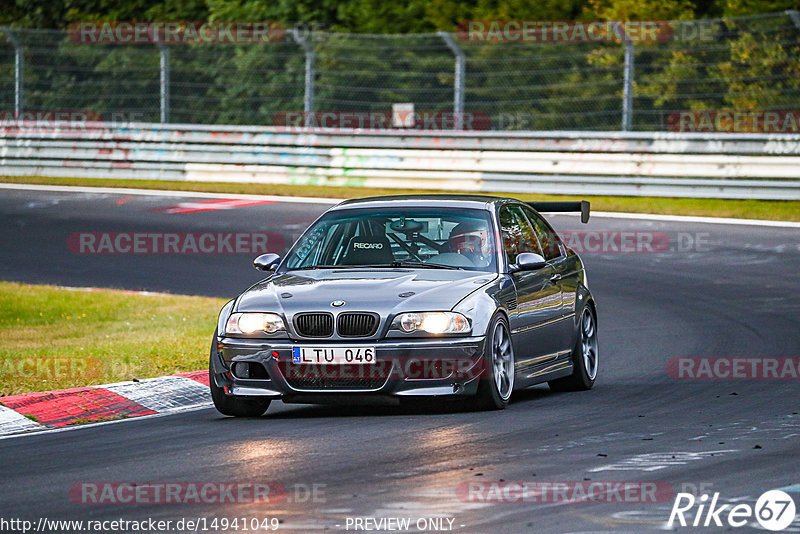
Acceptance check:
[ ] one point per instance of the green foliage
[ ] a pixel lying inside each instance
(372, 16)
(99, 336)
(734, 8)
(750, 64)
(641, 9)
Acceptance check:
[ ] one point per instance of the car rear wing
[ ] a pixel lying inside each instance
(561, 207)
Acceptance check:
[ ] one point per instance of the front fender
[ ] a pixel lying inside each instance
(224, 313)
(481, 305)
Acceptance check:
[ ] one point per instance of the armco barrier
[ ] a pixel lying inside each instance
(764, 166)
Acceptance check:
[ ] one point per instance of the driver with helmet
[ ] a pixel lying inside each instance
(471, 240)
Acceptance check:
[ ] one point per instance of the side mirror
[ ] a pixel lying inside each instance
(528, 261)
(267, 262)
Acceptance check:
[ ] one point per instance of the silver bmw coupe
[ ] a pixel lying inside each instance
(393, 298)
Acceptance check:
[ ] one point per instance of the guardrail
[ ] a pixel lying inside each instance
(763, 166)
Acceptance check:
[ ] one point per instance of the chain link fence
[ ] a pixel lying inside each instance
(748, 64)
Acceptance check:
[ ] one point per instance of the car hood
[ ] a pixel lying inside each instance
(384, 291)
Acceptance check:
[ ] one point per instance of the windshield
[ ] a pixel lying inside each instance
(400, 237)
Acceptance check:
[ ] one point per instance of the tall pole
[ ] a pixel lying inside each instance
(308, 99)
(795, 16)
(459, 81)
(19, 71)
(627, 89)
(163, 51)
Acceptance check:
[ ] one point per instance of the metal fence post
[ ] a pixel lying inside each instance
(308, 98)
(19, 71)
(627, 89)
(163, 52)
(795, 16)
(460, 78)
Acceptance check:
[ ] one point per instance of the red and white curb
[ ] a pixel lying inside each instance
(213, 205)
(61, 408)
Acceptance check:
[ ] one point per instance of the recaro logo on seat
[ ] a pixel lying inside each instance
(368, 245)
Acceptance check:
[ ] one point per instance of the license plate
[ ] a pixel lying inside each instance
(329, 355)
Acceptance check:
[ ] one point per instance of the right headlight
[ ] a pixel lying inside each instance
(254, 323)
(432, 322)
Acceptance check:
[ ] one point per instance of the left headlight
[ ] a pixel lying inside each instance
(432, 322)
(253, 323)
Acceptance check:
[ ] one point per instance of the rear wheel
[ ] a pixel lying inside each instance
(494, 390)
(228, 404)
(584, 356)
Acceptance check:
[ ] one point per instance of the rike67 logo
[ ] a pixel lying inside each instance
(774, 510)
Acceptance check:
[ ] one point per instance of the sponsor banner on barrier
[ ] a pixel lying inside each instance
(733, 368)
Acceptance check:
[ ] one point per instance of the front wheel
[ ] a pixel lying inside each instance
(494, 390)
(228, 404)
(584, 356)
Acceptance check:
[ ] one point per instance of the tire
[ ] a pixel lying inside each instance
(585, 356)
(494, 390)
(228, 404)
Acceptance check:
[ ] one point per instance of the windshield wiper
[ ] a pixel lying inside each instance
(343, 267)
(311, 267)
(394, 264)
(424, 265)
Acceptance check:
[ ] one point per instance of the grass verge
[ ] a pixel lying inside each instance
(777, 210)
(54, 338)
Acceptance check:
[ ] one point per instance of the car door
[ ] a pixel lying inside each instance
(565, 273)
(538, 299)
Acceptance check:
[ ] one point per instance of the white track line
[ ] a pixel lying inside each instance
(692, 219)
(166, 193)
(331, 201)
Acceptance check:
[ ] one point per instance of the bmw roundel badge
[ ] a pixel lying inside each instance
(337, 303)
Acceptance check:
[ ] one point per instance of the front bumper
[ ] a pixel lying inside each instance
(418, 367)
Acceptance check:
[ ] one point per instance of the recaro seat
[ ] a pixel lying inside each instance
(366, 250)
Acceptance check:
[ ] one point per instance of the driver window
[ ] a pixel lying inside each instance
(551, 244)
(518, 236)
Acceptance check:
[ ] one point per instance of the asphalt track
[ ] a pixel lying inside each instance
(736, 295)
